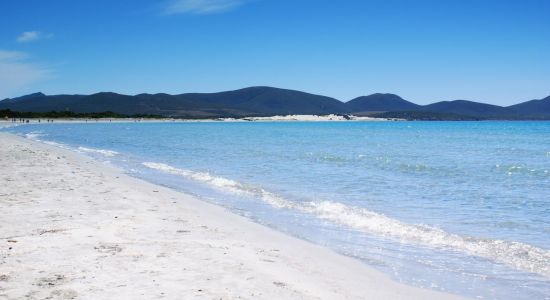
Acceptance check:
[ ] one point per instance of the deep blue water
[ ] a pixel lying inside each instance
(456, 206)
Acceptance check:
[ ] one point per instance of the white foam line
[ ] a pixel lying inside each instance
(108, 153)
(34, 135)
(521, 256)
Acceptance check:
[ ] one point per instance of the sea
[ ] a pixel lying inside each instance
(461, 207)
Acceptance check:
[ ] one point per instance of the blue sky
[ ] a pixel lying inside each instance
(425, 51)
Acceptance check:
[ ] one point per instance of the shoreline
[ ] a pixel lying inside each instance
(277, 118)
(73, 228)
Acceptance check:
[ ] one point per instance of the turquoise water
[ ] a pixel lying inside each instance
(455, 206)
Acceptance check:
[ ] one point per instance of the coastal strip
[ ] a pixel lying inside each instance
(75, 228)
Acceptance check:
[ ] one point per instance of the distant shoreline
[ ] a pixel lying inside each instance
(282, 118)
(35, 121)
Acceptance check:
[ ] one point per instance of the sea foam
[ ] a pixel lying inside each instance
(104, 152)
(34, 135)
(519, 255)
(38, 136)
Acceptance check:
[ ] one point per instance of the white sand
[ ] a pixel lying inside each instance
(282, 118)
(74, 228)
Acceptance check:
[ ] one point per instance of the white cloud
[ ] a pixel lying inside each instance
(30, 36)
(202, 6)
(16, 73)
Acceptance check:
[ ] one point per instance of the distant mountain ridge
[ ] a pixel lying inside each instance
(465, 108)
(380, 102)
(269, 101)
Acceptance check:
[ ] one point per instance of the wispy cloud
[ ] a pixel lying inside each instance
(30, 36)
(202, 6)
(16, 73)
(6, 56)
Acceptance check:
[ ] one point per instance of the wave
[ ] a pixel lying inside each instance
(104, 152)
(519, 255)
(56, 144)
(520, 169)
(37, 136)
(34, 135)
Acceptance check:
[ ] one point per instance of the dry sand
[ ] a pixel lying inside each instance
(75, 228)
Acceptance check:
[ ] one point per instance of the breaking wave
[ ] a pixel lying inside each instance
(519, 255)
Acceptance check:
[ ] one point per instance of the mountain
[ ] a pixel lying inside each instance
(534, 109)
(393, 106)
(34, 95)
(253, 101)
(465, 108)
(423, 116)
(269, 101)
(380, 103)
(39, 102)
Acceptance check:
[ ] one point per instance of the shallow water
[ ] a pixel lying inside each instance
(455, 206)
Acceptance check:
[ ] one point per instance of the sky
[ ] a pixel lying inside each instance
(425, 51)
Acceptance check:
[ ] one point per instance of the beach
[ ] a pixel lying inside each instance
(76, 228)
(276, 118)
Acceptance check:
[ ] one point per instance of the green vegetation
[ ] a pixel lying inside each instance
(423, 116)
(67, 115)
